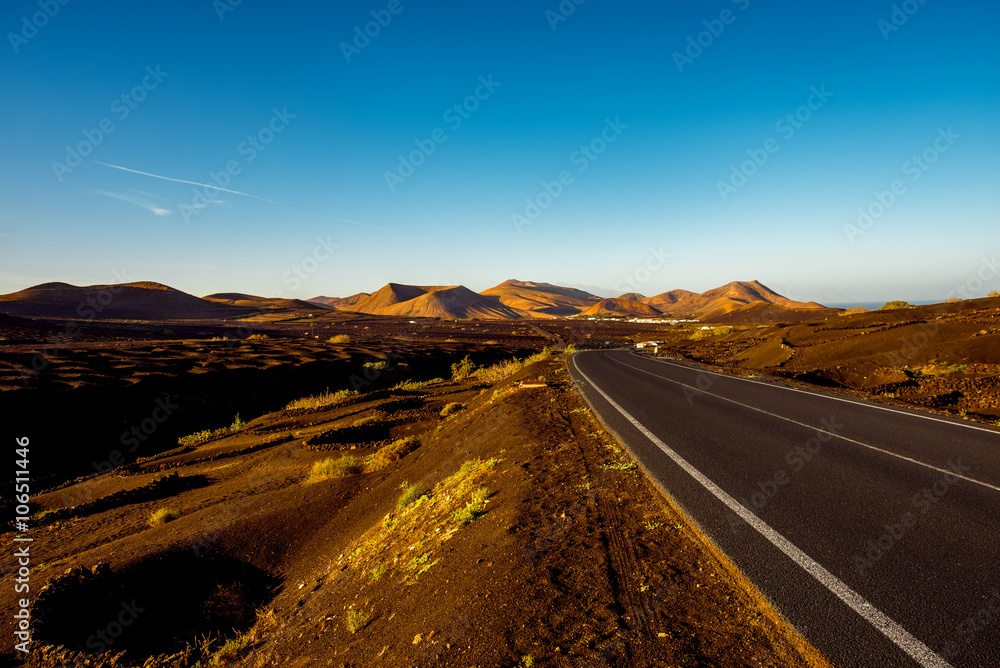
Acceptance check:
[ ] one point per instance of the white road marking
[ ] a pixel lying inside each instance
(830, 397)
(948, 472)
(890, 629)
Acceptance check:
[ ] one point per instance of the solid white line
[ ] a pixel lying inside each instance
(834, 434)
(890, 629)
(827, 396)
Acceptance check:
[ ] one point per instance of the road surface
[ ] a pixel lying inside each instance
(874, 530)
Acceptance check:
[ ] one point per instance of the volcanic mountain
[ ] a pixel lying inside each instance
(542, 299)
(253, 301)
(622, 306)
(339, 302)
(454, 301)
(635, 296)
(127, 301)
(722, 299)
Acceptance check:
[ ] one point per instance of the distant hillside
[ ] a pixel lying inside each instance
(761, 312)
(127, 301)
(414, 301)
(625, 307)
(635, 296)
(253, 301)
(722, 299)
(542, 299)
(339, 302)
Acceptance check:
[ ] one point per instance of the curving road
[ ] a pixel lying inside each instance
(875, 531)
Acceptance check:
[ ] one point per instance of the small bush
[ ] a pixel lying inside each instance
(894, 304)
(474, 509)
(340, 338)
(409, 385)
(462, 370)
(161, 516)
(450, 408)
(381, 365)
(570, 349)
(953, 300)
(355, 620)
(410, 494)
(320, 400)
(324, 469)
(994, 293)
(388, 454)
(854, 310)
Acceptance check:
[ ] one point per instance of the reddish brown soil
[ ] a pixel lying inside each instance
(576, 560)
(943, 357)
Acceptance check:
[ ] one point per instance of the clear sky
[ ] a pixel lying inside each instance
(738, 137)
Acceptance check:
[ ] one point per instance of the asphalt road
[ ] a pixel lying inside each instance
(875, 531)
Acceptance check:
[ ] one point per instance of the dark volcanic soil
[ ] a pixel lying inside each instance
(529, 539)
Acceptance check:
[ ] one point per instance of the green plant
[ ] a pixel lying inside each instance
(237, 423)
(450, 408)
(340, 338)
(527, 661)
(410, 494)
(407, 385)
(474, 509)
(161, 516)
(355, 620)
(854, 310)
(388, 454)
(334, 468)
(462, 370)
(377, 573)
(381, 365)
(570, 349)
(894, 304)
(953, 300)
(320, 400)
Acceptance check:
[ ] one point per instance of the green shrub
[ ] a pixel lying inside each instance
(320, 400)
(854, 310)
(462, 370)
(161, 516)
(355, 620)
(347, 465)
(340, 338)
(894, 304)
(410, 494)
(450, 408)
(388, 454)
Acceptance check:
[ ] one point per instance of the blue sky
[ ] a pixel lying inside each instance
(667, 123)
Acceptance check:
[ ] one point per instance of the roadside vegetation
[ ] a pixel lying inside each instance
(206, 434)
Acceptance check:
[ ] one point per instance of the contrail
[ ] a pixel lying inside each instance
(193, 183)
(236, 192)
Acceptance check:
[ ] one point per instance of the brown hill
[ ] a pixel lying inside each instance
(340, 302)
(253, 301)
(542, 299)
(634, 296)
(760, 312)
(623, 307)
(143, 300)
(413, 301)
(722, 299)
